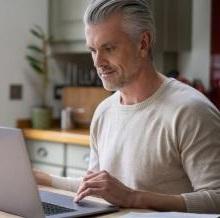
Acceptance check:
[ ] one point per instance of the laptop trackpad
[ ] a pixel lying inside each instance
(85, 207)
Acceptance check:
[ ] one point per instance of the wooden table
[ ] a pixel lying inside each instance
(111, 215)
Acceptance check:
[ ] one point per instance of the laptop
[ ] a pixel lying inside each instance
(19, 194)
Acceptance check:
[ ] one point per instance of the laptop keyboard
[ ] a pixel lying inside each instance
(50, 209)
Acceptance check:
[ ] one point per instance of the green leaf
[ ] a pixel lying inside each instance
(35, 48)
(34, 60)
(37, 68)
(37, 34)
(40, 30)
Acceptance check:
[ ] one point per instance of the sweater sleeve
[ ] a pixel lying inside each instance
(66, 183)
(199, 144)
(72, 184)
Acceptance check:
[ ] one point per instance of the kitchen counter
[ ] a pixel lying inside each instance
(76, 136)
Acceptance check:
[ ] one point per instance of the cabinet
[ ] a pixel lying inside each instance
(59, 158)
(77, 160)
(66, 26)
(173, 20)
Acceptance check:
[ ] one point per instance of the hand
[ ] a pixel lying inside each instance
(42, 178)
(102, 184)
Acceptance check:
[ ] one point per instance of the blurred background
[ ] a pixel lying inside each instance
(187, 48)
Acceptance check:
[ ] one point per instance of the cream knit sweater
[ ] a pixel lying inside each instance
(169, 143)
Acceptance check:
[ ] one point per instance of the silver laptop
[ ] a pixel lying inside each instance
(18, 191)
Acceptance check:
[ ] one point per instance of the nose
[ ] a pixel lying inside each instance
(99, 60)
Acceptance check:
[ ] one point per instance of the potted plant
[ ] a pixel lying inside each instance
(37, 58)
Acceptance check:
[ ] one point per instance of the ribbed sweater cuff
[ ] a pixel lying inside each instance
(198, 202)
(66, 183)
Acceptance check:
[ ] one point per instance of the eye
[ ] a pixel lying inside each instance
(110, 49)
(92, 50)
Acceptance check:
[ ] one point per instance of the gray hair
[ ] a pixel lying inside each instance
(137, 15)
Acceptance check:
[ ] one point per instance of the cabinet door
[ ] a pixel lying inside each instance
(184, 24)
(173, 20)
(66, 19)
(170, 39)
(78, 156)
(46, 152)
(158, 12)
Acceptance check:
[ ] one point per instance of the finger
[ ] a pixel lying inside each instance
(89, 172)
(89, 192)
(101, 177)
(90, 175)
(86, 185)
(96, 175)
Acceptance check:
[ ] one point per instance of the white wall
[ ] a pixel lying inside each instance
(16, 19)
(196, 63)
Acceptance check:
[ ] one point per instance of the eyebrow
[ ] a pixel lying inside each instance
(103, 45)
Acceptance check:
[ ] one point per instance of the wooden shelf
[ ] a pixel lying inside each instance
(77, 136)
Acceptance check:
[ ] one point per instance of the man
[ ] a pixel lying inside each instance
(155, 142)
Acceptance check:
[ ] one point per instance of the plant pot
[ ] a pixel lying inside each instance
(41, 117)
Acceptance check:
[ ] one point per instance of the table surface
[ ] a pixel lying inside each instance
(111, 215)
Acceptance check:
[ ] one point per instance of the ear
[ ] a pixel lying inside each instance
(144, 43)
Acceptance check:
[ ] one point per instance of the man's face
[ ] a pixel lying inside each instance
(115, 56)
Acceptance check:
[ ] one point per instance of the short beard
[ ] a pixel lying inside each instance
(111, 87)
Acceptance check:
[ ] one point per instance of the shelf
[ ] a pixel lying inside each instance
(77, 136)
